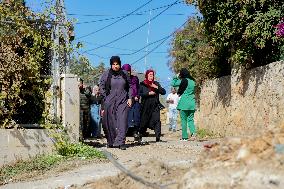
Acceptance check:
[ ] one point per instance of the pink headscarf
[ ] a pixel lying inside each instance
(147, 82)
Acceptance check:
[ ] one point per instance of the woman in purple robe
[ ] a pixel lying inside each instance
(134, 112)
(115, 88)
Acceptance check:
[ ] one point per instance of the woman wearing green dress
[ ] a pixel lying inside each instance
(186, 104)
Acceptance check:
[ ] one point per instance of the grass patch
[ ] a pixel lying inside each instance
(39, 165)
(79, 150)
(204, 133)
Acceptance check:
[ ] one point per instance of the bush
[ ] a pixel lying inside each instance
(79, 150)
(229, 33)
(243, 32)
(191, 49)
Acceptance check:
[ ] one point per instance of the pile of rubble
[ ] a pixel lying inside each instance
(153, 171)
(247, 162)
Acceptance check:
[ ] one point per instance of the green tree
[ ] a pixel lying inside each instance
(24, 39)
(191, 49)
(82, 68)
(241, 31)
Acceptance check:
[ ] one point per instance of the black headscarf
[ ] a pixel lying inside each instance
(115, 73)
(184, 73)
(112, 60)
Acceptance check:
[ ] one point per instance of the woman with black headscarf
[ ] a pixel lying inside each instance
(114, 87)
(186, 104)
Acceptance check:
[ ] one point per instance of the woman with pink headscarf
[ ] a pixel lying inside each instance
(149, 91)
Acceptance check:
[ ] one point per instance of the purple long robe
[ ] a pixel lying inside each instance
(135, 86)
(115, 108)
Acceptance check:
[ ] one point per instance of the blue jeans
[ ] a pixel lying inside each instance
(173, 113)
(95, 121)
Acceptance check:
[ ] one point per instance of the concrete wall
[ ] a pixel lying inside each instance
(70, 105)
(246, 102)
(18, 144)
(24, 143)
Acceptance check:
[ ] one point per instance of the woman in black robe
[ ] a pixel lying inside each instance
(149, 91)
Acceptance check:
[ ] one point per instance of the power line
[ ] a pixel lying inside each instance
(88, 15)
(126, 54)
(157, 46)
(112, 18)
(93, 54)
(132, 31)
(150, 51)
(116, 20)
(134, 51)
(146, 46)
(139, 13)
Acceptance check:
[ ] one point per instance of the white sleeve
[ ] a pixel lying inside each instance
(169, 96)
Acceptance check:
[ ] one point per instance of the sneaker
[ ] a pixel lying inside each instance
(193, 137)
(170, 129)
(184, 139)
(174, 130)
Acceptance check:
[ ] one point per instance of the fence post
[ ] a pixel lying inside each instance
(70, 104)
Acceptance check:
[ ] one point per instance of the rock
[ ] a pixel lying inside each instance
(243, 153)
(281, 139)
(258, 145)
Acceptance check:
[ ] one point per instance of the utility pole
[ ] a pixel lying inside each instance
(63, 35)
(60, 57)
(147, 40)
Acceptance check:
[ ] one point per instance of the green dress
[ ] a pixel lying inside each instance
(187, 99)
(186, 105)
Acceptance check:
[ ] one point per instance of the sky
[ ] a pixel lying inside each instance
(127, 32)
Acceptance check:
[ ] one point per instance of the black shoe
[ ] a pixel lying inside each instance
(158, 139)
(110, 146)
(139, 139)
(136, 137)
(122, 147)
(135, 134)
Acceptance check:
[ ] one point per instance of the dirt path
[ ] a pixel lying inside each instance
(170, 152)
(255, 162)
(235, 162)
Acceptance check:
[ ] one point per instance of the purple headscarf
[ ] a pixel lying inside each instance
(134, 80)
(126, 67)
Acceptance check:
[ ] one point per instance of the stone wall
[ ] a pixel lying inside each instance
(18, 144)
(246, 102)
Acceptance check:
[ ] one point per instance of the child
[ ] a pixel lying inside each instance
(173, 99)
